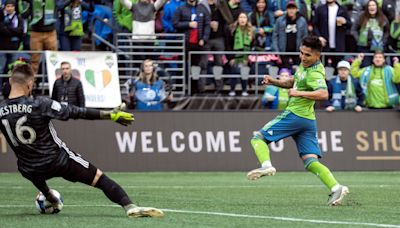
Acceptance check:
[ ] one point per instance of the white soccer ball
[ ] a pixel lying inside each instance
(44, 206)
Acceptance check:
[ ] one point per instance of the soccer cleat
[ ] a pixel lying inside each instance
(335, 198)
(257, 173)
(136, 212)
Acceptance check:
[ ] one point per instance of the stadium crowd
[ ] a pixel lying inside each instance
(343, 26)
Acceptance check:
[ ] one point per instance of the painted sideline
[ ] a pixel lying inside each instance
(288, 219)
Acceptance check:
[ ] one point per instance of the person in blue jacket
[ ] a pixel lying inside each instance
(147, 91)
(345, 92)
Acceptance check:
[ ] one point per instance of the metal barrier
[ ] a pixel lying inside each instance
(166, 50)
(195, 74)
(41, 78)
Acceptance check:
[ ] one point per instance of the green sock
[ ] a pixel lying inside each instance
(261, 149)
(323, 173)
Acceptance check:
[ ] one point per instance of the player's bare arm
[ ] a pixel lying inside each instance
(317, 95)
(269, 80)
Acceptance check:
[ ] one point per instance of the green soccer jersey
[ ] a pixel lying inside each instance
(307, 79)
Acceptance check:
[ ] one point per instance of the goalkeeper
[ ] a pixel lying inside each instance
(26, 124)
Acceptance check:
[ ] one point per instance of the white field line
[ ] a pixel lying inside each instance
(209, 186)
(285, 219)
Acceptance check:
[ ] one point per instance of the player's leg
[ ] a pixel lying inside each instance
(117, 195)
(307, 145)
(261, 150)
(84, 172)
(280, 127)
(42, 186)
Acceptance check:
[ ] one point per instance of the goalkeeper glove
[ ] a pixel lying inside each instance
(121, 117)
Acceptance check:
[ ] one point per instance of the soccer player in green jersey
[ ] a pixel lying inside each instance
(298, 120)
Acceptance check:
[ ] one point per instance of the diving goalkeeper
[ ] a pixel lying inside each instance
(26, 124)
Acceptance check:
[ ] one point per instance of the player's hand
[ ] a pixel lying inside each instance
(294, 93)
(267, 80)
(358, 108)
(330, 109)
(118, 115)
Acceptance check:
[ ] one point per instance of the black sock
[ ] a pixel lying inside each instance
(113, 191)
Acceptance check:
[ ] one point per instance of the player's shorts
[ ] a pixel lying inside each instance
(78, 170)
(302, 130)
(73, 168)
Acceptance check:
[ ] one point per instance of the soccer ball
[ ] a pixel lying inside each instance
(44, 206)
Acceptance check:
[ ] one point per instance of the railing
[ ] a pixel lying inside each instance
(257, 76)
(41, 78)
(166, 50)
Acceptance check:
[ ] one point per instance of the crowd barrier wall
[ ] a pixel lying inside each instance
(220, 141)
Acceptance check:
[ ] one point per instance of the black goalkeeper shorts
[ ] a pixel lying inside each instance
(74, 168)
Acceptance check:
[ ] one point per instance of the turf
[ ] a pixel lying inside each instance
(212, 199)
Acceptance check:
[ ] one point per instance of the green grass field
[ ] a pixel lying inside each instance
(212, 199)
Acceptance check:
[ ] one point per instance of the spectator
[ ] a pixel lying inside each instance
(143, 17)
(240, 37)
(11, 33)
(345, 91)
(277, 97)
(230, 10)
(68, 89)
(43, 35)
(216, 41)
(394, 41)
(262, 19)
(331, 23)
(371, 30)
(193, 20)
(71, 26)
(168, 13)
(290, 29)
(378, 81)
(247, 6)
(391, 8)
(123, 16)
(279, 7)
(310, 6)
(147, 91)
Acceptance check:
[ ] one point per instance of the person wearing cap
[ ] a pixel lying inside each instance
(11, 33)
(289, 30)
(279, 8)
(276, 97)
(344, 91)
(378, 81)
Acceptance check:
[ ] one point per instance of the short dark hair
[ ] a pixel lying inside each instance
(21, 73)
(65, 62)
(312, 42)
(379, 52)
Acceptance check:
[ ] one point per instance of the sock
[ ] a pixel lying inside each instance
(113, 191)
(261, 149)
(322, 172)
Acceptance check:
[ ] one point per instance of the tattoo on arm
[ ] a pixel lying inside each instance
(284, 83)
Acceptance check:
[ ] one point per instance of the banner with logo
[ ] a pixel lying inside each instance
(220, 141)
(98, 72)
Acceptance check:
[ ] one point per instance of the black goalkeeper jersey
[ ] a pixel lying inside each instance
(26, 124)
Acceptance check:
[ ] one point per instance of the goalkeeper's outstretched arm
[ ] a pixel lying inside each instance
(117, 114)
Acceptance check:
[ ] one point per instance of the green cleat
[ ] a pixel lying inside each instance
(335, 198)
(256, 174)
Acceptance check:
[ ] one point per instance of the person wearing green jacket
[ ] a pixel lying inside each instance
(378, 81)
(123, 16)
